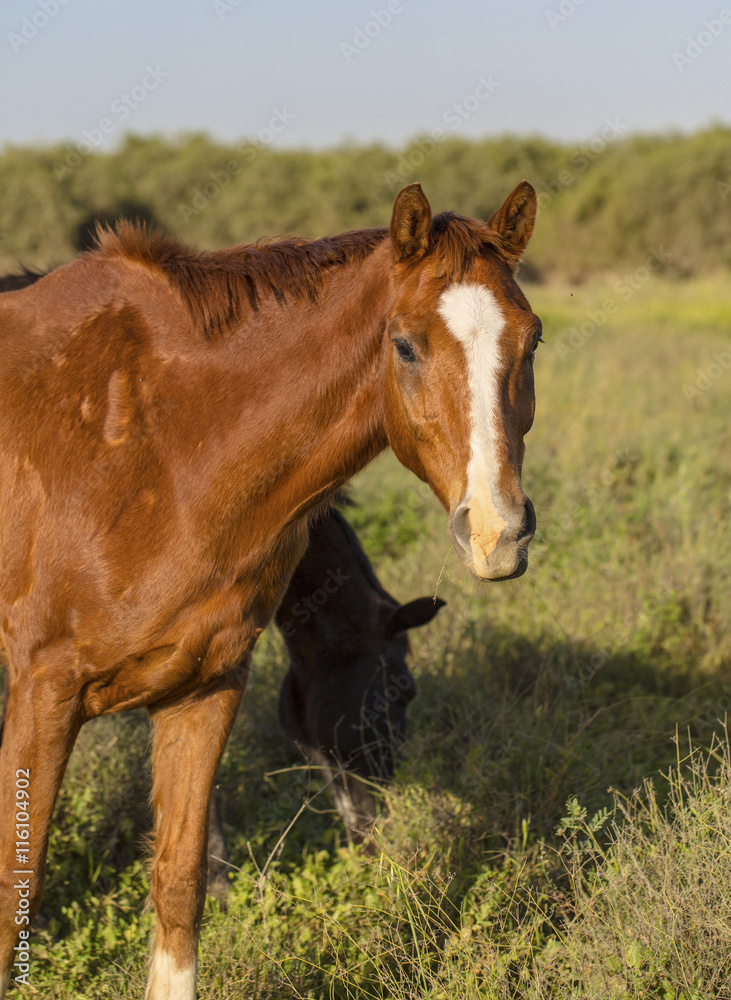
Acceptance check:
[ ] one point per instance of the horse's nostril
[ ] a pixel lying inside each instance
(461, 528)
(528, 528)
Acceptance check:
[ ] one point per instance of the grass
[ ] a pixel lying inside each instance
(560, 823)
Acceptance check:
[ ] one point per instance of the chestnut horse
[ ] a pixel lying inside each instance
(343, 700)
(169, 423)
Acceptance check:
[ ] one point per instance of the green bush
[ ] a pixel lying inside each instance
(605, 212)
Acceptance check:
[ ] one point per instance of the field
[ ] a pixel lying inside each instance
(560, 826)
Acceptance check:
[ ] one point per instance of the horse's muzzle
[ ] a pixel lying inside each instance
(508, 556)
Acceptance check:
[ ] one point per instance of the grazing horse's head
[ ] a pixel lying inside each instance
(345, 703)
(460, 395)
(349, 699)
(345, 695)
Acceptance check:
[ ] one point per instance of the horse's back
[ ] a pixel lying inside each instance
(61, 341)
(42, 319)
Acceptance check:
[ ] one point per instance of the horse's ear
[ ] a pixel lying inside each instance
(514, 221)
(410, 223)
(412, 615)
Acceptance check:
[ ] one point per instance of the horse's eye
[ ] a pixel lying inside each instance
(404, 350)
(532, 354)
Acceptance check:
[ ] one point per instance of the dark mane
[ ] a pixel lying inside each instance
(360, 557)
(219, 285)
(458, 240)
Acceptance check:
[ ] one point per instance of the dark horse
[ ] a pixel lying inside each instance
(344, 697)
(169, 424)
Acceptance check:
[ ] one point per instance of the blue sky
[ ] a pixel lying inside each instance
(330, 71)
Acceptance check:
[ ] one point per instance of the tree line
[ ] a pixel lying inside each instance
(605, 204)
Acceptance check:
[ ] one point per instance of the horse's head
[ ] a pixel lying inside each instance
(459, 370)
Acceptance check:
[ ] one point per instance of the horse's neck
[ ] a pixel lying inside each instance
(330, 604)
(323, 412)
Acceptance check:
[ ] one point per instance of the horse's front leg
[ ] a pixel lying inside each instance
(188, 739)
(42, 719)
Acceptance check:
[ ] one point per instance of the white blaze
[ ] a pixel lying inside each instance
(474, 317)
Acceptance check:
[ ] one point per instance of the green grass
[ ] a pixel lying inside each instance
(559, 826)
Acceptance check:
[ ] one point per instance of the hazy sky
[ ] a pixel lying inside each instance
(315, 73)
